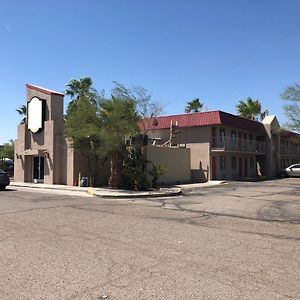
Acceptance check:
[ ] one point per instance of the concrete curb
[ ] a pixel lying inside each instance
(195, 186)
(120, 194)
(102, 192)
(49, 187)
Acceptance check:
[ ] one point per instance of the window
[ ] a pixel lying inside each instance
(233, 162)
(222, 162)
(222, 137)
(233, 139)
(222, 132)
(233, 136)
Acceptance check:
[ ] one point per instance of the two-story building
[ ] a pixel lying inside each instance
(226, 146)
(218, 145)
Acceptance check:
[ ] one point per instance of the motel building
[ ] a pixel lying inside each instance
(194, 147)
(229, 147)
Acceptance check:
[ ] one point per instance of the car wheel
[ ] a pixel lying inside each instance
(283, 174)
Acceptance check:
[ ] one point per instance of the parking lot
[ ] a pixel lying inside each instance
(234, 241)
(274, 200)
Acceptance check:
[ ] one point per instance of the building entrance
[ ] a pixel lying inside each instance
(38, 169)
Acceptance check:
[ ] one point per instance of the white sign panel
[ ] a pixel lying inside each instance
(35, 114)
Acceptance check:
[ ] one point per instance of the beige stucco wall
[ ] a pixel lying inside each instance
(273, 145)
(60, 154)
(197, 139)
(176, 161)
(78, 164)
(200, 165)
(48, 142)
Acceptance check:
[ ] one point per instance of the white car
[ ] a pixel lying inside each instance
(293, 171)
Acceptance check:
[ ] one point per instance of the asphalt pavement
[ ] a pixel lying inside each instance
(205, 244)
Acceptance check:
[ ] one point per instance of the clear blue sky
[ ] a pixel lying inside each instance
(219, 51)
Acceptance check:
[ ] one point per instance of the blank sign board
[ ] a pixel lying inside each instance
(35, 115)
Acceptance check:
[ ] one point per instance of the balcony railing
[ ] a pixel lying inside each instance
(290, 150)
(231, 144)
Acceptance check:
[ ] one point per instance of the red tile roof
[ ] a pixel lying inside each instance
(43, 90)
(207, 119)
(289, 134)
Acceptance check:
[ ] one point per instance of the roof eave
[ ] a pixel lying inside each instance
(43, 90)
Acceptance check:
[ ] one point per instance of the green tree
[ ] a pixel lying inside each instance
(81, 89)
(251, 109)
(100, 128)
(82, 124)
(156, 172)
(119, 120)
(135, 167)
(292, 110)
(22, 111)
(130, 165)
(194, 106)
(145, 106)
(6, 151)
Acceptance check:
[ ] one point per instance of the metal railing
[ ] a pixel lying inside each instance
(245, 145)
(290, 150)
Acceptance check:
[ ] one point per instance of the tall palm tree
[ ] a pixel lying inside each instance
(22, 111)
(251, 109)
(82, 125)
(193, 106)
(81, 89)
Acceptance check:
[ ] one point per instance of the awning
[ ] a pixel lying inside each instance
(33, 152)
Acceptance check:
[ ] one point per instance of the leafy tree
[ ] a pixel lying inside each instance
(82, 124)
(251, 109)
(99, 128)
(119, 120)
(194, 106)
(292, 110)
(135, 168)
(7, 150)
(157, 171)
(146, 108)
(22, 111)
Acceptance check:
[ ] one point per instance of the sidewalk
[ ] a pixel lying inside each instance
(110, 193)
(195, 186)
(102, 192)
